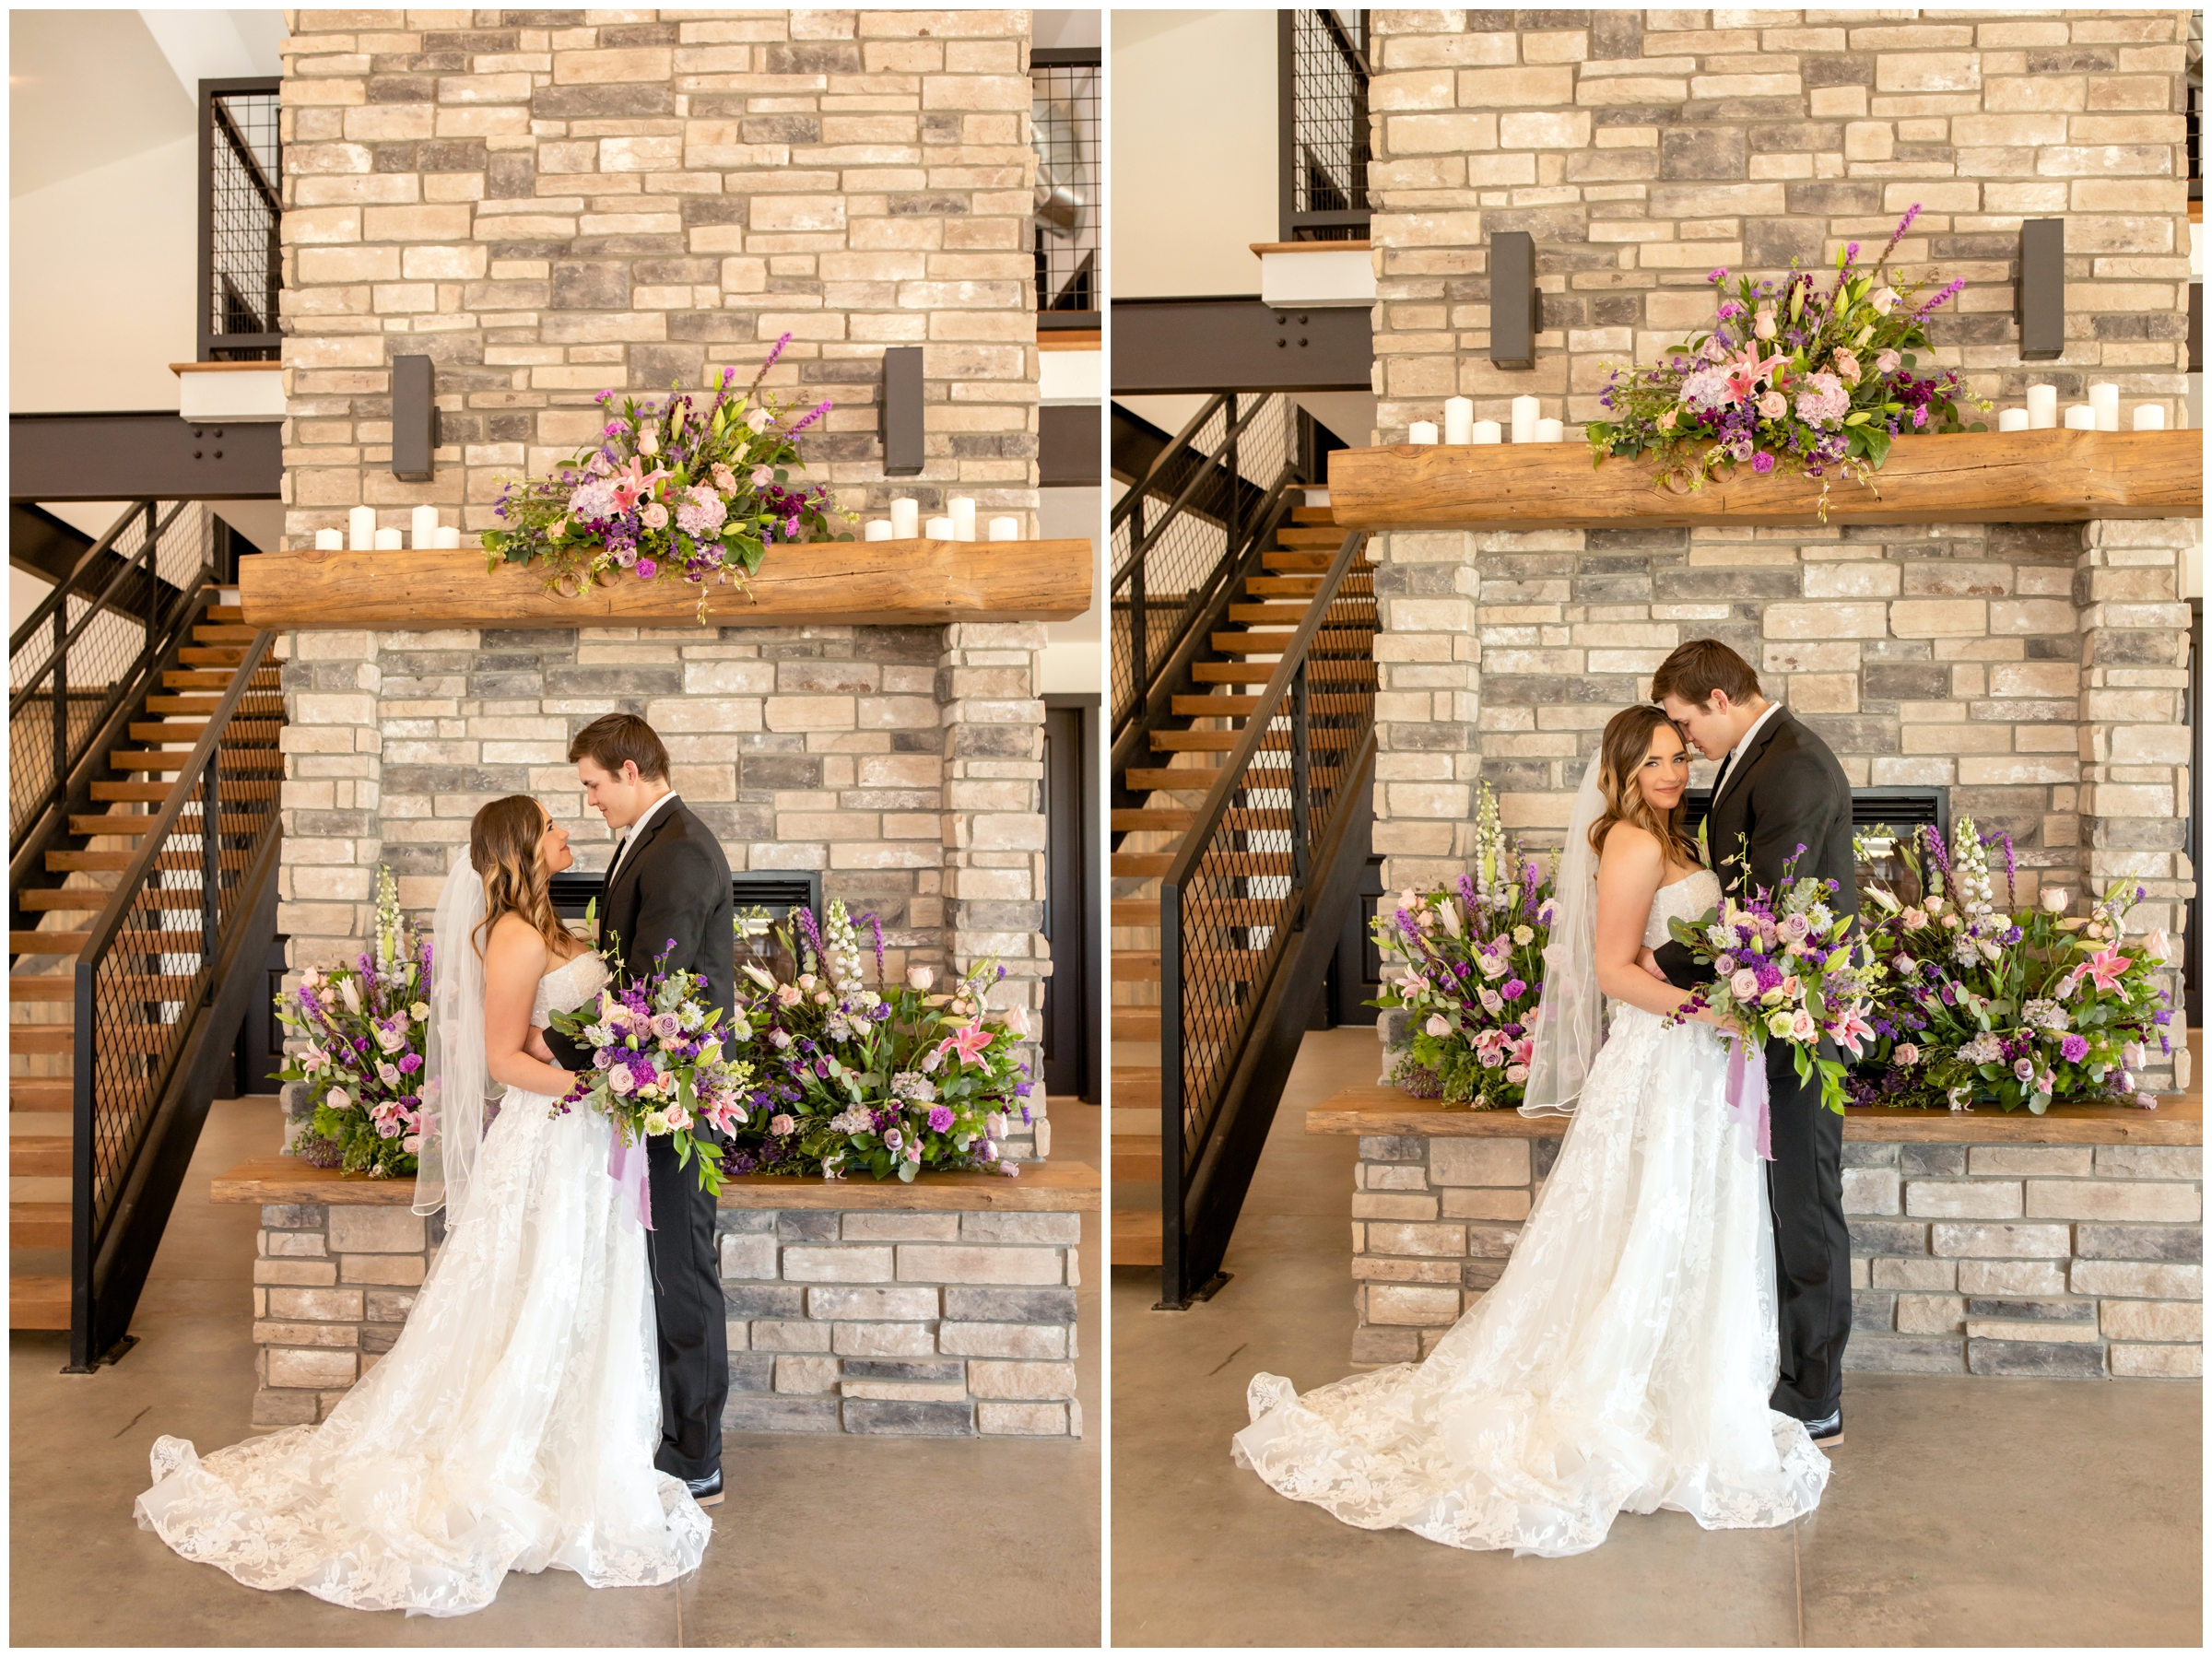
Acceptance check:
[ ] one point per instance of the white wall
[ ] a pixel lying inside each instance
(1074, 659)
(1190, 150)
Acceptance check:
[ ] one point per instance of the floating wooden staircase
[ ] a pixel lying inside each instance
(1186, 764)
(43, 1035)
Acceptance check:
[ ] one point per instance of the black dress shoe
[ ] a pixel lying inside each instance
(1827, 1433)
(707, 1491)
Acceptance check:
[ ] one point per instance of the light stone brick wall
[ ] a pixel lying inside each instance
(1982, 1259)
(2037, 672)
(552, 203)
(941, 1325)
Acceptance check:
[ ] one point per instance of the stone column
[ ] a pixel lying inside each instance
(992, 717)
(2135, 736)
(1428, 663)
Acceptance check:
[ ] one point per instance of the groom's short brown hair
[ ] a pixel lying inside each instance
(1700, 667)
(614, 739)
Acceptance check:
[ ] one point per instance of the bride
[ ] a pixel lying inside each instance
(512, 1426)
(1624, 1360)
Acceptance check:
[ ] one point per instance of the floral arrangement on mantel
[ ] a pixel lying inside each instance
(670, 492)
(1789, 377)
(2019, 1008)
(890, 1080)
(362, 1064)
(1473, 957)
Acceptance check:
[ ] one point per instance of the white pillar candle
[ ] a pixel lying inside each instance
(2081, 416)
(938, 529)
(425, 522)
(1551, 431)
(906, 518)
(1486, 431)
(963, 517)
(2043, 406)
(1459, 419)
(449, 537)
(879, 529)
(2150, 417)
(2104, 400)
(330, 540)
(361, 529)
(1421, 431)
(388, 540)
(1005, 529)
(1526, 411)
(2012, 420)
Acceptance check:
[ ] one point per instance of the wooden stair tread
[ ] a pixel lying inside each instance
(37, 1302)
(38, 1225)
(35, 1156)
(1137, 1165)
(238, 611)
(1140, 863)
(223, 632)
(1219, 705)
(41, 1038)
(1135, 1238)
(1136, 1086)
(40, 1093)
(1133, 911)
(1134, 1024)
(1312, 535)
(41, 986)
(47, 943)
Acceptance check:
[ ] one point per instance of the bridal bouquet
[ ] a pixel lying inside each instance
(1789, 377)
(1786, 968)
(669, 492)
(889, 1080)
(1473, 957)
(2025, 1009)
(658, 1071)
(363, 1027)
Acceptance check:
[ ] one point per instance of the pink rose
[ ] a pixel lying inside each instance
(1886, 363)
(1884, 301)
(1762, 325)
(1744, 985)
(1516, 1074)
(1906, 1054)
(1803, 1028)
(782, 1126)
(619, 1079)
(1772, 404)
(1847, 367)
(655, 516)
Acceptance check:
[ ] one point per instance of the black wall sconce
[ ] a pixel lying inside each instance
(2039, 303)
(413, 419)
(902, 411)
(1516, 308)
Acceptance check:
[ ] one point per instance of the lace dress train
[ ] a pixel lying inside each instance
(1624, 1360)
(511, 1427)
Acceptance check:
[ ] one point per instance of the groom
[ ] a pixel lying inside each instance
(669, 883)
(1779, 788)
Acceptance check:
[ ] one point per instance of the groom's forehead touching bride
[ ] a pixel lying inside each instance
(623, 766)
(1711, 693)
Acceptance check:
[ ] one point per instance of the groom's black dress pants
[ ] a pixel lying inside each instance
(1812, 1244)
(688, 1308)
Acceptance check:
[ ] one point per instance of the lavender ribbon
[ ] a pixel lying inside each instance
(1748, 1096)
(626, 1163)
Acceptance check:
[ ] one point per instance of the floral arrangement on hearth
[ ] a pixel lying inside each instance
(658, 1070)
(891, 1080)
(670, 492)
(1788, 966)
(2022, 1008)
(1472, 957)
(362, 1063)
(1789, 377)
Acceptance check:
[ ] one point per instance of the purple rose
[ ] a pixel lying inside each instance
(2073, 1049)
(941, 1119)
(410, 1065)
(1515, 989)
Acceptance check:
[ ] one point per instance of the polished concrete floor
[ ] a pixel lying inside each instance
(1962, 1511)
(824, 1540)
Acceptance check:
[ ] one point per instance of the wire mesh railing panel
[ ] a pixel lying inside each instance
(1199, 509)
(74, 668)
(243, 204)
(154, 970)
(1327, 131)
(1069, 214)
(1240, 905)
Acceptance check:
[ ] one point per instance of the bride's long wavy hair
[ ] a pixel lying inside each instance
(503, 848)
(1621, 753)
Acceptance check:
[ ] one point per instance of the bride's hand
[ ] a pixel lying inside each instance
(534, 1045)
(1650, 963)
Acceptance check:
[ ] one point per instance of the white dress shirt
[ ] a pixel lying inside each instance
(631, 835)
(1736, 752)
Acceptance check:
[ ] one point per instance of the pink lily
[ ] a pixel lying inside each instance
(2105, 967)
(635, 485)
(1853, 1032)
(971, 1041)
(1747, 369)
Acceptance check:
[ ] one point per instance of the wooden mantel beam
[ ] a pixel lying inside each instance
(2047, 477)
(857, 584)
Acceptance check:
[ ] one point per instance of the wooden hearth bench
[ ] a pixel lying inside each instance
(946, 1308)
(1981, 1243)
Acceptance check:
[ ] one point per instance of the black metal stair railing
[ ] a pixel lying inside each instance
(82, 656)
(160, 987)
(1183, 536)
(1250, 911)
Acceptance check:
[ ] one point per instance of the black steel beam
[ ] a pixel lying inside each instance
(41, 543)
(1067, 446)
(152, 456)
(1211, 344)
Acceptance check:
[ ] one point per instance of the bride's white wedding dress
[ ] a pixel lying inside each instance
(1622, 1361)
(511, 1427)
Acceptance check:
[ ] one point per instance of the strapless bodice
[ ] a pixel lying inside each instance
(1685, 900)
(569, 986)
